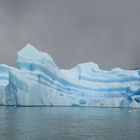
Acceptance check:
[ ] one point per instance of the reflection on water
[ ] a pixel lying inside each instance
(67, 123)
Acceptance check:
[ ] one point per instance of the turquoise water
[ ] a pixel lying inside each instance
(69, 123)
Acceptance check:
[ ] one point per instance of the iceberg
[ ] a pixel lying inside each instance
(37, 81)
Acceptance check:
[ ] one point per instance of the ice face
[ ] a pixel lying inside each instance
(39, 82)
(4, 81)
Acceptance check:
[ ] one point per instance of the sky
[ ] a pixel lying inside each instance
(106, 32)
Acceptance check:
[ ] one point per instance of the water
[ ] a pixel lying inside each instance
(67, 123)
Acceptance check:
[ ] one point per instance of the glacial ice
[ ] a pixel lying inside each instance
(37, 81)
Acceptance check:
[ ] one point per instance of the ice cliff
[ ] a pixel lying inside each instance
(37, 81)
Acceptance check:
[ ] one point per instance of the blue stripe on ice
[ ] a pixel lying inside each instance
(119, 80)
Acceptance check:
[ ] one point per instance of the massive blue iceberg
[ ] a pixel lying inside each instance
(37, 81)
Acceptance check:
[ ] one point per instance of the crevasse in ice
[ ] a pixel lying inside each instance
(37, 81)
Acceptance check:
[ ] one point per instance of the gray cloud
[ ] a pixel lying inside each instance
(106, 32)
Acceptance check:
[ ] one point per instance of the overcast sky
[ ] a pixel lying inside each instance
(106, 32)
